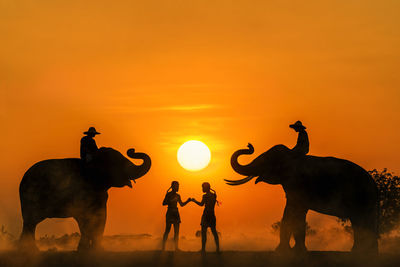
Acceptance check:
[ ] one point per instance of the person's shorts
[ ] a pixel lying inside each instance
(172, 216)
(208, 220)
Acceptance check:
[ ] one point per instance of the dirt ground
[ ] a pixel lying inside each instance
(193, 259)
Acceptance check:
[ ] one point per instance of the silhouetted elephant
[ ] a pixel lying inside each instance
(324, 184)
(61, 188)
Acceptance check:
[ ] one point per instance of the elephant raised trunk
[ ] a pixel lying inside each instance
(139, 170)
(247, 170)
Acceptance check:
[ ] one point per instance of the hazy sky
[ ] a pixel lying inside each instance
(153, 74)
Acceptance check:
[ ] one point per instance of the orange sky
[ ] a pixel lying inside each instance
(153, 74)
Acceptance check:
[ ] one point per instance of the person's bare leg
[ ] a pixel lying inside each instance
(165, 237)
(216, 237)
(203, 238)
(176, 236)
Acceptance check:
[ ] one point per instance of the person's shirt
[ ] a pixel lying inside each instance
(171, 199)
(302, 146)
(88, 146)
(209, 200)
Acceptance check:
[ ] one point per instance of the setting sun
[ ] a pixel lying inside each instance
(194, 155)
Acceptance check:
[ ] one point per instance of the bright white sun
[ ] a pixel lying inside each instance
(194, 155)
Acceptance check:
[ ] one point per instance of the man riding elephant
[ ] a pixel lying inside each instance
(302, 146)
(328, 185)
(60, 188)
(88, 145)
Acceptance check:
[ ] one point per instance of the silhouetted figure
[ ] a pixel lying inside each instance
(208, 218)
(172, 198)
(56, 188)
(302, 146)
(88, 145)
(327, 185)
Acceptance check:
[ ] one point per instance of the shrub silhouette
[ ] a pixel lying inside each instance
(389, 199)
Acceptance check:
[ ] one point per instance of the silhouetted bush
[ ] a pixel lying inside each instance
(67, 241)
(7, 240)
(5, 235)
(389, 199)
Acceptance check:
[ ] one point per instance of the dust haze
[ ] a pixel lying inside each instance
(326, 234)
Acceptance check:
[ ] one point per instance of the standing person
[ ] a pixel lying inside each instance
(302, 146)
(172, 198)
(208, 218)
(88, 145)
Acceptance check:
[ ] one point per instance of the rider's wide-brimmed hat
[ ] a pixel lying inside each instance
(297, 125)
(91, 130)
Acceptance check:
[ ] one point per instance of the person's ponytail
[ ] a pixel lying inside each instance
(215, 193)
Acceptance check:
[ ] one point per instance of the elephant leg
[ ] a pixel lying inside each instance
(91, 227)
(27, 239)
(299, 230)
(365, 234)
(286, 227)
(98, 226)
(84, 228)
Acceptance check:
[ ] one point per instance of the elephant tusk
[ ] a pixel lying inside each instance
(239, 182)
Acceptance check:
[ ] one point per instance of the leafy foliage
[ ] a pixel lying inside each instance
(389, 199)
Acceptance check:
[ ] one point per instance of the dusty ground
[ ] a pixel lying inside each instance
(193, 259)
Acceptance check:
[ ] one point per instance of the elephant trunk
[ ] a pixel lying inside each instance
(246, 170)
(139, 170)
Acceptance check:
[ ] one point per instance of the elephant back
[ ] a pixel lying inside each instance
(55, 175)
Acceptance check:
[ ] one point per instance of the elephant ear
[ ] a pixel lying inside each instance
(97, 169)
(282, 163)
(278, 158)
(111, 168)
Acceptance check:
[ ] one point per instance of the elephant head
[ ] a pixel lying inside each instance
(269, 167)
(115, 170)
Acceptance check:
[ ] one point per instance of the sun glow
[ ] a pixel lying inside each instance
(194, 155)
